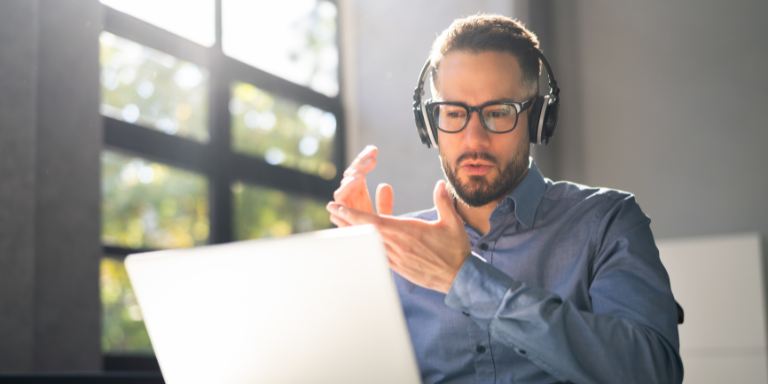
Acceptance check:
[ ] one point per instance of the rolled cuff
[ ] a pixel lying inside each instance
(478, 290)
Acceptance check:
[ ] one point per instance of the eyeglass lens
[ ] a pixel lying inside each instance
(496, 117)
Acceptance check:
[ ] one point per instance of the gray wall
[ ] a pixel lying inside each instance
(666, 100)
(385, 44)
(50, 140)
(662, 99)
(18, 48)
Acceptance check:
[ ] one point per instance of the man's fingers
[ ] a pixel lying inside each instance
(363, 167)
(444, 204)
(336, 219)
(385, 199)
(369, 150)
(339, 222)
(349, 185)
(353, 216)
(385, 224)
(364, 162)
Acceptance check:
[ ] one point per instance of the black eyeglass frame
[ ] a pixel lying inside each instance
(519, 107)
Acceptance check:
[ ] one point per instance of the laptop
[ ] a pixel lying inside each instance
(320, 307)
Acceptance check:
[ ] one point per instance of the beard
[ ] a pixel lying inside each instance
(478, 191)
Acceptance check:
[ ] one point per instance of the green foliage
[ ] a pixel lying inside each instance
(277, 130)
(123, 329)
(263, 212)
(151, 205)
(167, 94)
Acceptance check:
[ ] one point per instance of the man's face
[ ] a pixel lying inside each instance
(482, 166)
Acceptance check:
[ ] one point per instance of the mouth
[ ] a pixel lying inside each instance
(476, 167)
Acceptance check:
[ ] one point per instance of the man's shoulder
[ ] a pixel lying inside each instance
(573, 193)
(598, 203)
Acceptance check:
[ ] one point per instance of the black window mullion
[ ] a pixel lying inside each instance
(120, 253)
(278, 86)
(258, 172)
(157, 146)
(220, 179)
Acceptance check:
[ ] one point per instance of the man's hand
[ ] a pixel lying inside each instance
(353, 191)
(426, 253)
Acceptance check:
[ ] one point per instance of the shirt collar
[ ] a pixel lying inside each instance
(528, 194)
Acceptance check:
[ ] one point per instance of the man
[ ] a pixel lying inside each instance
(512, 277)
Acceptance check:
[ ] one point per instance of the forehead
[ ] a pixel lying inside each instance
(475, 78)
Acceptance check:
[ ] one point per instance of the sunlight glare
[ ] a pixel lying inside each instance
(191, 19)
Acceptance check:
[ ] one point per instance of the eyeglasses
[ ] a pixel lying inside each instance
(497, 117)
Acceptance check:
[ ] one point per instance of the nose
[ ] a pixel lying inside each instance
(475, 136)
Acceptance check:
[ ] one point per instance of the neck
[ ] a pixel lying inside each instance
(478, 217)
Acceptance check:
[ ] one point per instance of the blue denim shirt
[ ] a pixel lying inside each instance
(566, 286)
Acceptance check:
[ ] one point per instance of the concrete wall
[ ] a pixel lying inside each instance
(50, 140)
(666, 100)
(18, 111)
(385, 44)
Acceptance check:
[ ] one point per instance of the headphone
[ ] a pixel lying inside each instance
(542, 114)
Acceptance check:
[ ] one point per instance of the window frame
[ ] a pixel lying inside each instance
(216, 160)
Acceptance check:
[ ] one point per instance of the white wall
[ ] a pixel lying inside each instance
(385, 44)
(719, 281)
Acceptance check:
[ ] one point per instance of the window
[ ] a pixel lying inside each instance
(146, 87)
(282, 132)
(207, 139)
(149, 205)
(265, 212)
(306, 52)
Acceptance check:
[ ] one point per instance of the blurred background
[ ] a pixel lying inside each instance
(131, 125)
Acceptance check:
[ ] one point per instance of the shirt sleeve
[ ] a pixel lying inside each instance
(629, 337)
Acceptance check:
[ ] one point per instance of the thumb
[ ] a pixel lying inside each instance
(444, 203)
(385, 199)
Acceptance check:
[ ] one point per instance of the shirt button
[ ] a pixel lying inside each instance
(465, 314)
(484, 246)
(480, 349)
(522, 351)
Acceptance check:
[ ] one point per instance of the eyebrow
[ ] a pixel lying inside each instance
(501, 100)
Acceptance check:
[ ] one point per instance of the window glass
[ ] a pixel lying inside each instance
(191, 19)
(293, 39)
(122, 329)
(282, 132)
(147, 87)
(264, 212)
(151, 205)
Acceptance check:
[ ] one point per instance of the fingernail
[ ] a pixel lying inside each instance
(367, 161)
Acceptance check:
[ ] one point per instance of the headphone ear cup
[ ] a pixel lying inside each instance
(534, 114)
(421, 126)
(550, 120)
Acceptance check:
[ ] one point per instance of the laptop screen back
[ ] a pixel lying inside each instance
(312, 308)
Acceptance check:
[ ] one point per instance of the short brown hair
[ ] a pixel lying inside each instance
(495, 33)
